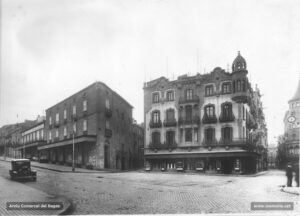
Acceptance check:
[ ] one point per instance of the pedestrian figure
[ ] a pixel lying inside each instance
(297, 174)
(289, 175)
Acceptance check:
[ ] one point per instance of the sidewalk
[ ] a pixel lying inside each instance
(12, 191)
(58, 168)
(291, 190)
(205, 173)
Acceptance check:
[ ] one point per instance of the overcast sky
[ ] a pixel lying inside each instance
(51, 49)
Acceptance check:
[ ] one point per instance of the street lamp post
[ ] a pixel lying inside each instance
(5, 150)
(73, 164)
(14, 147)
(24, 150)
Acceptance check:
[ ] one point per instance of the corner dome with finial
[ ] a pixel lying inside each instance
(239, 63)
(297, 93)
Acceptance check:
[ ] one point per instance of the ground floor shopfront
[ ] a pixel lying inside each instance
(85, 152)
(218, 163)
(88, 153)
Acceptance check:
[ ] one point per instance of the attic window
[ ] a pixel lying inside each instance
(155, 97)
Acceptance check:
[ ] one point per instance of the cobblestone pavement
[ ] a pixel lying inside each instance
(164, 193)
(12, 191)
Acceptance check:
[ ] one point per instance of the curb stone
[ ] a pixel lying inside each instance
(206, 174)
(284, 189)
(67, 210)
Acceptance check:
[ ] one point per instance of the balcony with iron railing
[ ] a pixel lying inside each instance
(153, 124)
(74, 117)
(108, 112)
(56, 124)
(157, 145)
(108, 133)
(170, 144)
(189, 120)
(165, 145)
(246, 144)
(193, 99)
(84, 112)
(232, 142)
(227, 118)
(209, 119)
(212, 142)
(240, 97)
(170, 122)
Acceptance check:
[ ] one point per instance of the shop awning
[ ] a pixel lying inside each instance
(89, 139)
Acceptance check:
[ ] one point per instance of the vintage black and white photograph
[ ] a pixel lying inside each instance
(142, 107)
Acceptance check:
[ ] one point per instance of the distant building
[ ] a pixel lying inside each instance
(272, 155)
(288, 144)
(137, 134)
(98, 121)
(32, 138)
(11, 138)
(211, 122)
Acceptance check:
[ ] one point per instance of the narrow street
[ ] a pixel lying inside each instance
(168, 193)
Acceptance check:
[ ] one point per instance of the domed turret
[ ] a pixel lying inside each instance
(239, 63)
(240, 83)
(297, 93)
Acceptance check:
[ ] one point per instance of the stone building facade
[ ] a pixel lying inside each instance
(137, 134)
(98, 121)
(272, 155)
(208, 122)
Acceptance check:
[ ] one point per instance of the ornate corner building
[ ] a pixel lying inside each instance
(208, 122)
(288, 148)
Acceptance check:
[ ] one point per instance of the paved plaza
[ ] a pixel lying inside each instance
(137, 192)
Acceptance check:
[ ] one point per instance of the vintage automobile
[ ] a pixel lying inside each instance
(20, 169)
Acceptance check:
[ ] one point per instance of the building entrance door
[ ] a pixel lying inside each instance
(227, 165)
(106, 157)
